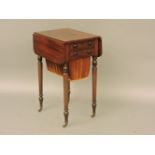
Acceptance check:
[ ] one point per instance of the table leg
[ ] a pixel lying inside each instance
(66, 93)
(69, 91)
(94, 83)
(40, 82)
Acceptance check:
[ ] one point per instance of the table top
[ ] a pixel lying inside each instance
(64, 45)
(67, 35)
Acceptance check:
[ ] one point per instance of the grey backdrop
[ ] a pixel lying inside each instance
(126, 80)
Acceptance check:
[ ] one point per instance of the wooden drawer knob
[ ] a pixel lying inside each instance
(75, 46)
(74, 53)
(90, 44)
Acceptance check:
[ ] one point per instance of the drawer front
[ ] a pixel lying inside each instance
(81, 53)
(82, 49)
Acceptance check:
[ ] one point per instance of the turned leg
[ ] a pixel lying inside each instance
(94, 82)
(69, 91)
(40, 82)
(66, 93)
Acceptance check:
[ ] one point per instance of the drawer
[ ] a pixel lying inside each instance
(81, 53)
(82, 45)
(82, 49)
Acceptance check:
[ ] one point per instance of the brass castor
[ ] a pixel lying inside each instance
(94, 110)
(41, 104)
(66, 113)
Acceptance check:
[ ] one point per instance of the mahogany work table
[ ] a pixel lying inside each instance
(68, 53)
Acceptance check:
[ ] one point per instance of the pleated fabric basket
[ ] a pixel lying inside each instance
(78, 68)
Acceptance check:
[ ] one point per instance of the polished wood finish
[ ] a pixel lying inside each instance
(40, 82)
(79, 68)
(94, 82)
(67, 35)
(69, 91)
(67, 53)
(55, 68)
(66, 92)
(59, 51)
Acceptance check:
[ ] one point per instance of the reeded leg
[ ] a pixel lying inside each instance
(66, 93)
(69, 91)
(94, 82)
(40, 82)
